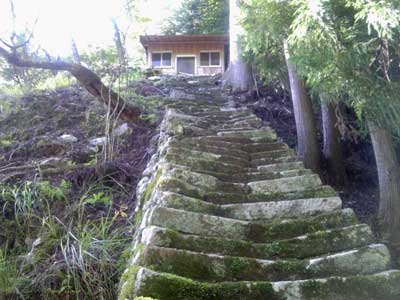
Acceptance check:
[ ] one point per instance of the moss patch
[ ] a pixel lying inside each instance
(171, 287)
(128, 279)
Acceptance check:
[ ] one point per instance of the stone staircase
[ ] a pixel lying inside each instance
(226, 212)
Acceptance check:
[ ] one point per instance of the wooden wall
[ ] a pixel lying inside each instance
(189, 49)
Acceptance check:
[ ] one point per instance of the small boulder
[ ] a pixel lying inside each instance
(154, 78)
(98, 141)
(121, 129)
(68, 138)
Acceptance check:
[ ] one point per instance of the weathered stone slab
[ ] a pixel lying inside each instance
(309, 245)
(234, 198)
(216, 268)
(257, 135)
(170, 287)
(281, 209)
(215, 226)
(285, 185)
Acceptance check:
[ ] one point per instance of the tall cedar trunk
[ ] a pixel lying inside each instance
(389, 181)
(238, 74)
(307, 144)
(87, 78)
(333, 152)
(119, 44)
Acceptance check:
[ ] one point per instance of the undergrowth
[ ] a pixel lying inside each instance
(67, 244)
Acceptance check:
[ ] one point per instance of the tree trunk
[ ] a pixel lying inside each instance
(75, 52)
(333, 152)
(119, 44)
(238, 75)
(389, 181)
(307, 144)
(87, 78)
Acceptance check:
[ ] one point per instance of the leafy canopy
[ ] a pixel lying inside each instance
(200, 17)
(347, 49)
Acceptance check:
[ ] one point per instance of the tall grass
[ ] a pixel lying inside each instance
(74, 254)
(12, 281)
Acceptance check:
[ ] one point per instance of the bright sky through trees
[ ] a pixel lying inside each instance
(88, 21)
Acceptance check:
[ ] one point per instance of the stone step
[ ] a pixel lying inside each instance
(207, 156)
(148, 283)
(234, 198)
(255, 163)
(243, 161)
(281, 209)
(259, 232)
(285, 185)
(204, 164)
(236, 144)
(279, 167)
(247, 122)
(310, 245)
(272, 154)
(252, 211)
(199, 184)
(256, 135)
(177, 180)
(257, 176)
(216, 268)
(211, 149)
(225, 115)
(190, 108)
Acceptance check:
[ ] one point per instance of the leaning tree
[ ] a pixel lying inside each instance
(267, 24)
(12, 52)
(352, 47)
(87, 78)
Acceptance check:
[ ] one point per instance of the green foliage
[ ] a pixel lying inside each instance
(267, 25)
(99, 198)
(53, 192)
(12, 282)
(344, 49)
(52, 221)
(200, 17)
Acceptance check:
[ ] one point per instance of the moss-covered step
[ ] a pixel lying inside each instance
(181, 178)
(193, 154)
(214, 226)
(382, 286)
(233, 198)
(183, 144)
(225, 115)
(239, 123)
(243, 145)
(285, 185)
(216, 268)
(314, 244)
(251, 211)
(247, 177)
(280, 167)
(273, 160)
(272, 154)
(204, 164)
(255, 135)
(281, 209)
(192, 108)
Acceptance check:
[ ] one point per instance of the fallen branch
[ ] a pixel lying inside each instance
(87, 78)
